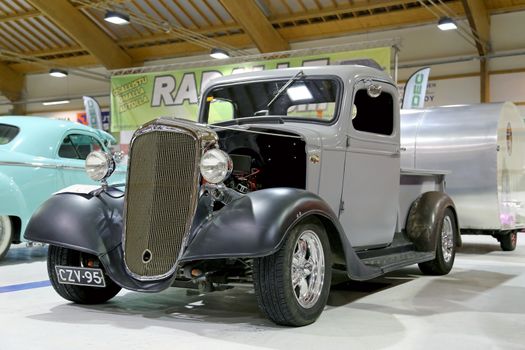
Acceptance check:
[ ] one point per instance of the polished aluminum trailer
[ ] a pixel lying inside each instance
(483, 147)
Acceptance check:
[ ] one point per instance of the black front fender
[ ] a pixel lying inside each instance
(254, 225)
(83, 222)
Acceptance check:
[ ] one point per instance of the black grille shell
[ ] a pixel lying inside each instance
(161, 196)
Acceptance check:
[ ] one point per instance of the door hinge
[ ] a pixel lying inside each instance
(341, 207)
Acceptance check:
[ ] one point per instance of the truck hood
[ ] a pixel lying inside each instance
(311, 137)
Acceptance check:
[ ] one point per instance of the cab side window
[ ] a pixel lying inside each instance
(77, 146)
(373, 114)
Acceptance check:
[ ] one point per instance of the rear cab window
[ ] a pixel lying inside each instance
(8, 133)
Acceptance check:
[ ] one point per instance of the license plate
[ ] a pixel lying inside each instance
(80, 276)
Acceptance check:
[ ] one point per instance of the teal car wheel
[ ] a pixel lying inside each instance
(6, 235)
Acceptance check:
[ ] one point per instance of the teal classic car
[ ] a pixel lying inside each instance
(40, 156)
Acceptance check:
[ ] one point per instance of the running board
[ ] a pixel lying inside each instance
(391, 262)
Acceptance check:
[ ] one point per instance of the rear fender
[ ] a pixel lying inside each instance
(424, 215)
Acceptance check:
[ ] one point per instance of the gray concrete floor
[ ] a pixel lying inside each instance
(479, 305)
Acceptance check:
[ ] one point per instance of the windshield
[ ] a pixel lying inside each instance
(7, 133)
(310, 99)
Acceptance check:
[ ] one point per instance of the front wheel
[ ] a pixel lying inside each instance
(508, 242)
(445, 247)
(6, 235)
(59, 256)
(293, 284)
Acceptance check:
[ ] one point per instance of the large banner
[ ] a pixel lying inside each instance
(139, 98)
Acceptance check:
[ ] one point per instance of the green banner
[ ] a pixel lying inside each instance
(139, 98)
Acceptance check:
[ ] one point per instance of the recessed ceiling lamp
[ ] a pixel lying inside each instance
(58, 73)
(447, 23)
(219, 54)
(52, 103)
(116, 17)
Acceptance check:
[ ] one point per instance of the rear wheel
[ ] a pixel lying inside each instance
(445, 247)
(508, 242)
(293, 284)
(59, 256)
(6, 235)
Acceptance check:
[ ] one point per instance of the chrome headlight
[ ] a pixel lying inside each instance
(99, 165)
(216, 166)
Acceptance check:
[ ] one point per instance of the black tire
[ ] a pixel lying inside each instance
(444, 260)
(77, 294)
(6, 235)
(508, 242)
(273, 284)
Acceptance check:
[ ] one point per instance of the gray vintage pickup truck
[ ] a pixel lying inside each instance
(287, 175)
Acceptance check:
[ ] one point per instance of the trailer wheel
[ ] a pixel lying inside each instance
(77, 294)
(445, 247)
(293, 284)
(508, 242)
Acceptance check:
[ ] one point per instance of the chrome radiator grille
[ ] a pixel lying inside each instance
(161, 196)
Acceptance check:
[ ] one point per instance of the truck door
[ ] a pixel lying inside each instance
(371, 179)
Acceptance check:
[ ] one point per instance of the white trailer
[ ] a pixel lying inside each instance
(483, 147)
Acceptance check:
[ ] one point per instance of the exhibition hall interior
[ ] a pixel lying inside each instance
(262, 174)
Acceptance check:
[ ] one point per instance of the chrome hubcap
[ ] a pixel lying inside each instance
(447, 239)
(307, 269)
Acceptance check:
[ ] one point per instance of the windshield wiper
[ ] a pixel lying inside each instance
(299, 75)
(250, 120)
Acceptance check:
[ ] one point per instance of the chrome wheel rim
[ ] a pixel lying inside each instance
(307, 269)
(5, 233)
(447, 239)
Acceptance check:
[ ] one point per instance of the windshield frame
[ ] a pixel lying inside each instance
(204, 106)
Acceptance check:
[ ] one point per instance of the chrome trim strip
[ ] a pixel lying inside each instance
(69, 167)
(42, 165)
(30, 165)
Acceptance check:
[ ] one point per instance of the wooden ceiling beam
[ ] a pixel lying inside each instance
(479, 21)
(138, 54)
(334, 11)
(11, 83)
(85, 32)
(256, 25)
(353, 25)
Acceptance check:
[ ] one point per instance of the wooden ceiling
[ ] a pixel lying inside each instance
(37, 34)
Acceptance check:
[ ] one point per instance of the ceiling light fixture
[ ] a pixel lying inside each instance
(52, 103)
(219, 54)
(58, 73)
(116, 17)
(447, 23)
